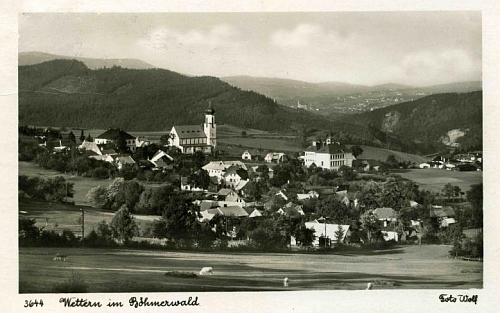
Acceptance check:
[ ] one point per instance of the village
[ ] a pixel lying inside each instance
(322, 198)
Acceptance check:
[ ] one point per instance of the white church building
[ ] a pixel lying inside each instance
(192, 138)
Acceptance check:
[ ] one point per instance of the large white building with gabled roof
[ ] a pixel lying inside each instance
(192, 138)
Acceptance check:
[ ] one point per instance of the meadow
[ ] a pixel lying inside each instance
(434, 179)
(121, 270)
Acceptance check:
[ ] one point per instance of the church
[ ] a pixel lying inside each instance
(192, 138)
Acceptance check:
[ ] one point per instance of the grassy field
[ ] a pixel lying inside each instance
(409, 267)
(435, 179)
(58, 216)
(382, 154)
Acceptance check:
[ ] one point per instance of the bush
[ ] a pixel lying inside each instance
(74, 284)
(181, 274)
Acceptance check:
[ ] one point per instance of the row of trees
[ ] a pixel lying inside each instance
(55, 189)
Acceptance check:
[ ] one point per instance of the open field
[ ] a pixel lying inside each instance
(408, 267)
(381, 154)
(273, 144)
(435, 179)
(58, 216)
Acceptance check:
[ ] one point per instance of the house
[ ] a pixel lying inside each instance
(141, 143)
(385, 215)
(161, 161)
(104, 157)
(233, 211)
(330, 156)
(274, 157)
(252, 212)
(291, 209)
(123, 160)
(226, 194)
(444, 215)
(208, 215)
(387, 219)
(90, 146)
(246, 155)
(369, 164)
(310, 195)
(218, 168)
(234, 175)
(112, 135)
(328, 231)
(424, 165)
(192, 138)
(186, 186)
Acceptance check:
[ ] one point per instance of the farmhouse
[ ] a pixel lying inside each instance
(192, 138)
(330, 156)
(234, 175)
(246, 155)
(444, 215)
(328, 232)
(113, 135)
(218, 168)
(274, 157)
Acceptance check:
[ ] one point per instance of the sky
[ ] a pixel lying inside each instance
(368, 48)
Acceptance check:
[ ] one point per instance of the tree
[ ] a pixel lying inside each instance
(475, 198)
(391, 160)
(121, 143)
(356, 151)
(369, 223)
(243, 133)
(179, 220)
(98, 196)
(72, 137)
(448, 190)
(304, 236)
(199, 179)
(123, 225)
(82, 136)
(339, 234)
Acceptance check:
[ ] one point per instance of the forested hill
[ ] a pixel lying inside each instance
(67, 93)
(431, 120)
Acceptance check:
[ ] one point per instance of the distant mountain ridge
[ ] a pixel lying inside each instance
(31, 58)
(337, 97)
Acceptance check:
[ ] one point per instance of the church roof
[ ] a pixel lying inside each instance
(190, 131)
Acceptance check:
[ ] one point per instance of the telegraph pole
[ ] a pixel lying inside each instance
(83, 226)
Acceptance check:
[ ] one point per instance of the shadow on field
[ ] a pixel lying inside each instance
(386, 251)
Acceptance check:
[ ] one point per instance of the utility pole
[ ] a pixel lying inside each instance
(83, 226)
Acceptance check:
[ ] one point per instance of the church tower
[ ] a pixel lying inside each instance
(209, 126)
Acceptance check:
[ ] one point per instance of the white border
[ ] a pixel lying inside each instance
(317, 301)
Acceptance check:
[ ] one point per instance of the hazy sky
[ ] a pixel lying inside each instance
(414, 48)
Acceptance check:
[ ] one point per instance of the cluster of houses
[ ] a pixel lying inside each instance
(231, 181)
(471, 161)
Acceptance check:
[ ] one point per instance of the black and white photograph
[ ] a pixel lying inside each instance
(163, 156)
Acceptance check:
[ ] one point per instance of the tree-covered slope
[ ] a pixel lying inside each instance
(427, 121)
(66, 93)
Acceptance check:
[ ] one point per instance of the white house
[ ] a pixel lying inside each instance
(246, 155)
(233, 175)
(218, 168)
(275, 157)
(330, 156)
(191, 138)
(330, 231)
